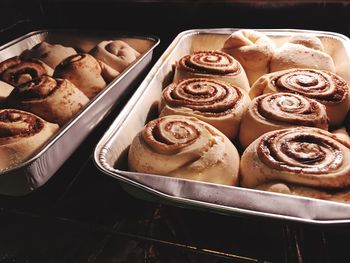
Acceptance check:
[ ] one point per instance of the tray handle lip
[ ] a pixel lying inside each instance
(154, 38)
(285, 31)
(118, 174)
(89, 105)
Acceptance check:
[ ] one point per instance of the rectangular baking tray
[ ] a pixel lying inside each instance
(110, 154)
(33, 173)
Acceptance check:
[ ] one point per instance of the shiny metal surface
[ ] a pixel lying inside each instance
(110, 153)
(30, 175)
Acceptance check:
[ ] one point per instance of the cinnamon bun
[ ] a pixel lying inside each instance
(16, 71)
(21, 135)
(212, 64)
(115, 53)
(84, 71)
(55, 100)
(325, 87)
(303, 161)
(278, 111)
(253, 50)
(215, 102)
(184, 147)
(50, 54)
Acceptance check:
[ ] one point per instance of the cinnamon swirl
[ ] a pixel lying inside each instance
(84, 71)
(327, 88)
(215, 102)
(278, 111)
(55, 100)
(184, 147)
(298, 158)
(253, 50)
(16, 71)
(212, 64)
(21, 135)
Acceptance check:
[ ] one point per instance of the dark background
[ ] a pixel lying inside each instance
(81, 215)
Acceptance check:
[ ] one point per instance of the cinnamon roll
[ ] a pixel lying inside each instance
(21, 135)
(117, 54)
(302, 51)
(55, 100)
(52, 55)
(253, 50)
(325, 87)
(84, 71)
(300, 160)
(212, 64)
(278, 111)
(184, 147)
(215, 102)
(16, 71)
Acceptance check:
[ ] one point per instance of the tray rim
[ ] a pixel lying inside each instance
(115, 126)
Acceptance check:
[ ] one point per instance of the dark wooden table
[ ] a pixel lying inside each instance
(81, 215)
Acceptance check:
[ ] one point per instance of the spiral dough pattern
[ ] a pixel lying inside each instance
(21, 134)
(212, 64)
(325, 87)
(291, 108)
(215, 102)
(18, 124)
(280, 110)
(184, 147)
(55, 100)
(305, 156)
(318, 85)
(16, 71)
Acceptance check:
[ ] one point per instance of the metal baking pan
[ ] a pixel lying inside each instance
(33, 173)
(110, 154)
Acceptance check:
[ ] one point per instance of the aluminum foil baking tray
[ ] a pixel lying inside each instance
(28, 176)
(110, 154)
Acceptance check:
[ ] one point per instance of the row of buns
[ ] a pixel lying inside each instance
(277, 106)
(46, 86)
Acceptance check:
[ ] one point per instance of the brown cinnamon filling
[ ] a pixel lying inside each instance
(289, 108)
(207, 96)
(210, 62)
(8, 63)
(23, 72)
(70, 60)
(323, 86)
(299, 152)
(39, 88)
(167, 136)
(14, 123)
